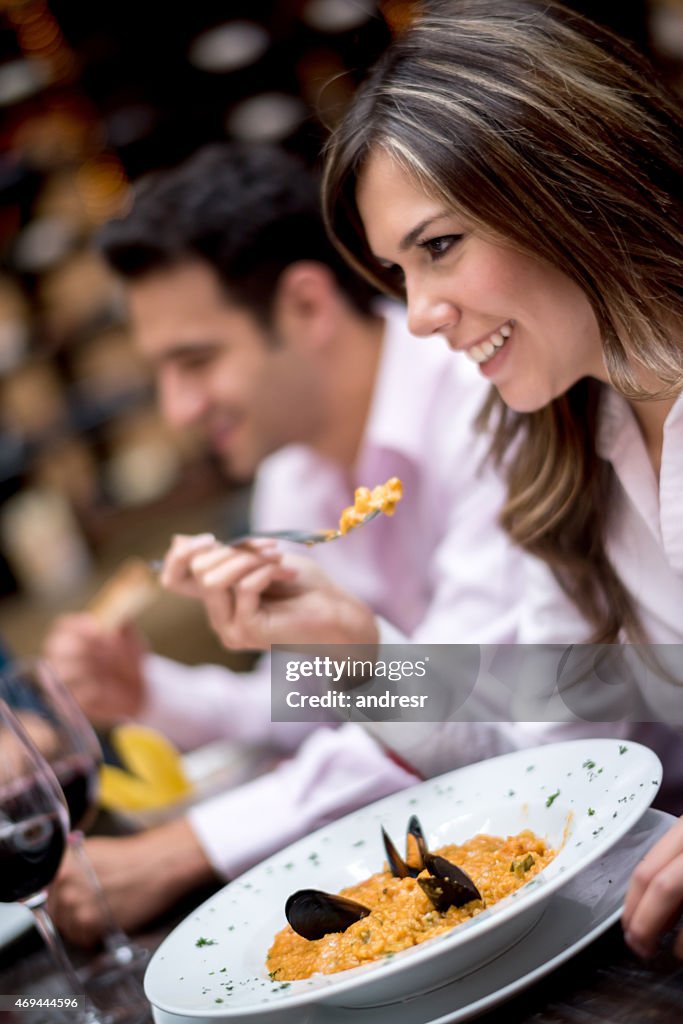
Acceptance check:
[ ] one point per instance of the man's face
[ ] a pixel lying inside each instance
(217, 370)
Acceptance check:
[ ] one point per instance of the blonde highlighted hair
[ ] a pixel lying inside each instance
(548, 132)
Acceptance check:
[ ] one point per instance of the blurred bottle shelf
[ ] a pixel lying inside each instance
(174, 626)
(88, 105)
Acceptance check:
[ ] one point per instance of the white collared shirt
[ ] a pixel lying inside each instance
(645, 546)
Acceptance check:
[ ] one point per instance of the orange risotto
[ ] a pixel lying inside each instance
(401, 914)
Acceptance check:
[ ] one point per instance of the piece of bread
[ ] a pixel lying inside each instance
(131, 589)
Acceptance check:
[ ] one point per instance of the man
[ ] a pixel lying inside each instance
(261, 338)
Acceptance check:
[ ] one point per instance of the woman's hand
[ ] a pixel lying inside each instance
(655, 897)
(256, 596)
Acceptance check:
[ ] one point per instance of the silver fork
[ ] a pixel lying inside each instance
(307, 537)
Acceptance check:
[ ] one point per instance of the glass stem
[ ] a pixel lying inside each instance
(114, 938)
(50, 935)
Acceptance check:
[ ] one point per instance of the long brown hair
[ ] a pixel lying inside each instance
(549, 133)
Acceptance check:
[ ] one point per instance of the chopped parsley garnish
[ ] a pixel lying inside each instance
(588, 764)
(201, 941)
(552, 798)
(622, 748)
(520, 866)
(591, 812)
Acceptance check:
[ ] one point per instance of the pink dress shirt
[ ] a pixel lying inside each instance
(439, 571)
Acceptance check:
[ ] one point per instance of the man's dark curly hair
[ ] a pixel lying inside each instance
(249, 211)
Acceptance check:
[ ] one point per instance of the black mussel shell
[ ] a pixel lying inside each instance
(416, 845)
(398, 866)
(416, 848)
(313, 913)
(447, 885)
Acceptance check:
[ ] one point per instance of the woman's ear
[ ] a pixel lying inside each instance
(307, 304)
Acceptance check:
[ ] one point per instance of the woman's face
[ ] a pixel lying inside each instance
(529, 327)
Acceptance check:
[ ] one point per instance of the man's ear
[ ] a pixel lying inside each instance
(307, 304)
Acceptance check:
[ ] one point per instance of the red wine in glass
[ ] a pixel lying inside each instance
(77, 775)
(69, 744)
(33, 830)
(32, 841)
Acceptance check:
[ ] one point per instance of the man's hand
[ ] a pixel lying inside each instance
(102, 668)
(255, 597)
(142, 876)
(655, 896)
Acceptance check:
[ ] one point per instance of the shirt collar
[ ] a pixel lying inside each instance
(617, 421)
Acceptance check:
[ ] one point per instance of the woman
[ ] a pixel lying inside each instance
(514, 173)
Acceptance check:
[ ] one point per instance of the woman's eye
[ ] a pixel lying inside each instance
(394, 274)
(438, 247)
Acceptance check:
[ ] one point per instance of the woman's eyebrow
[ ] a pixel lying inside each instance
(413, 235)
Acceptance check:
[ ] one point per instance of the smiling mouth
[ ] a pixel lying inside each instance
(221, 435)
(485, 350)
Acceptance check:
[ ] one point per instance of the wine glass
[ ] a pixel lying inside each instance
(34, 822)
(68, 742)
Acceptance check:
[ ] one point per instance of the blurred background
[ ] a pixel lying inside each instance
(91, 97)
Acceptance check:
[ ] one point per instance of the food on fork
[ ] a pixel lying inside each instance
(410, 901)
(131, 589)
(382, 498)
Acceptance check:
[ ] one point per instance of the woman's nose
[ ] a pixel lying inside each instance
(429, 314)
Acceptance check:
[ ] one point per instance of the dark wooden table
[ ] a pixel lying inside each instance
(26, 968)
(605, 984)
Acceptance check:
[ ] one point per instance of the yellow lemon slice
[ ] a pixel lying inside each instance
(150, 756)
(120, 791)
(153, 775)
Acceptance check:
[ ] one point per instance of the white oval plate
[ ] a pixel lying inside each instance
(572, 919)
(581, 796)
(15, 919)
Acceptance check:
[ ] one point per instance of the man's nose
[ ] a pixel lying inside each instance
(181, 405)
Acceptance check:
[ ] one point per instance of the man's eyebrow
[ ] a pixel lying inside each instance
(413, 235)
(189, 349)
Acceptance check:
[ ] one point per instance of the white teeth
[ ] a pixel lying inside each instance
(477, 354)
(482, 352)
